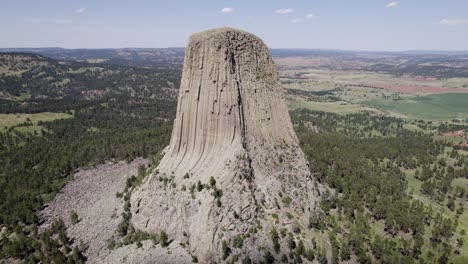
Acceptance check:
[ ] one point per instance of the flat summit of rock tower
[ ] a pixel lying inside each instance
(219, 31)
(233, 153)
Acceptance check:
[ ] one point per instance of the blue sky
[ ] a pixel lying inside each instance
(327, 24)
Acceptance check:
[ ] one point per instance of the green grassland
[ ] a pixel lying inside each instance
(366, 78)
(86, 69)
(461, 183)
(349, 87)
(340, 107)
(11, 120)
(435, 107)
(455, 140)
(430, 107)
(308, 85)
(23, 96)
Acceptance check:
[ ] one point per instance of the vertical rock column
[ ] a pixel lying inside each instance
(232, 124)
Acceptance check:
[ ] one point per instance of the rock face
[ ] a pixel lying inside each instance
(232, 125)
(91, 194)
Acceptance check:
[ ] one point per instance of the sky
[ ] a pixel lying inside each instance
(376, 25)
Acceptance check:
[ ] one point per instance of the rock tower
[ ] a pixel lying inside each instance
(233, 160)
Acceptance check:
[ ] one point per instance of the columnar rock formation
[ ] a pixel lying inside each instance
(232, 124)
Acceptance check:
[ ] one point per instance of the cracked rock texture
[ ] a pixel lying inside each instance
(232, 124)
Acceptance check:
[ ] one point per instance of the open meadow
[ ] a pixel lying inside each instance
(28, 122)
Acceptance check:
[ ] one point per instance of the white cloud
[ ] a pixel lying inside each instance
(284, 11)
(227, 10)
(392, 4)
(63, 21)
(310, 16)
(453, 22)
(296, 20)
(80, 10)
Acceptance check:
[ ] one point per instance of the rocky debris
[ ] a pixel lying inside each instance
(148, 254)
(92, 195)
(234, 159)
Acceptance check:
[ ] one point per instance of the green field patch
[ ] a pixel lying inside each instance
(414, 186)
(414, 127)
(29, 129)
(23, 96)
(339, 107)
(368, 78)
(461, 183)
(307, 85)
(462, 259)
(63, 82)
(92, 129)
(9, 120)
(85, 69)
(431, 107)
(456, 140)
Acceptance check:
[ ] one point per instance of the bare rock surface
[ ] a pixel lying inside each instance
(232, 124)
(92, 195)
(148, 254)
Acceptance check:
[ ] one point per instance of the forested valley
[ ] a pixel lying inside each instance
(114, 113)
(391, 192)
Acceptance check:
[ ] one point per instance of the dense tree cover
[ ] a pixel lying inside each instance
(447, 127)
(359, 125)
(162, 58)
(316, 96)
(119, 113)
(368, 180)
(47, 78)
(34, 106)
(362, 159)
(52, 245)
(34, 166)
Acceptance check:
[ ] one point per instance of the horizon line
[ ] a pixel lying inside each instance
(273, 48)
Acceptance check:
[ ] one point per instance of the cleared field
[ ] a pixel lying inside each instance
(357, 94)
(401, 96)
(460, 183)
(454, 140)
(307, 85)
(418, 89)
(9, 120)
(23, 96)
(374, 79)
(86, 69)
(431, 107)
(339, 107)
